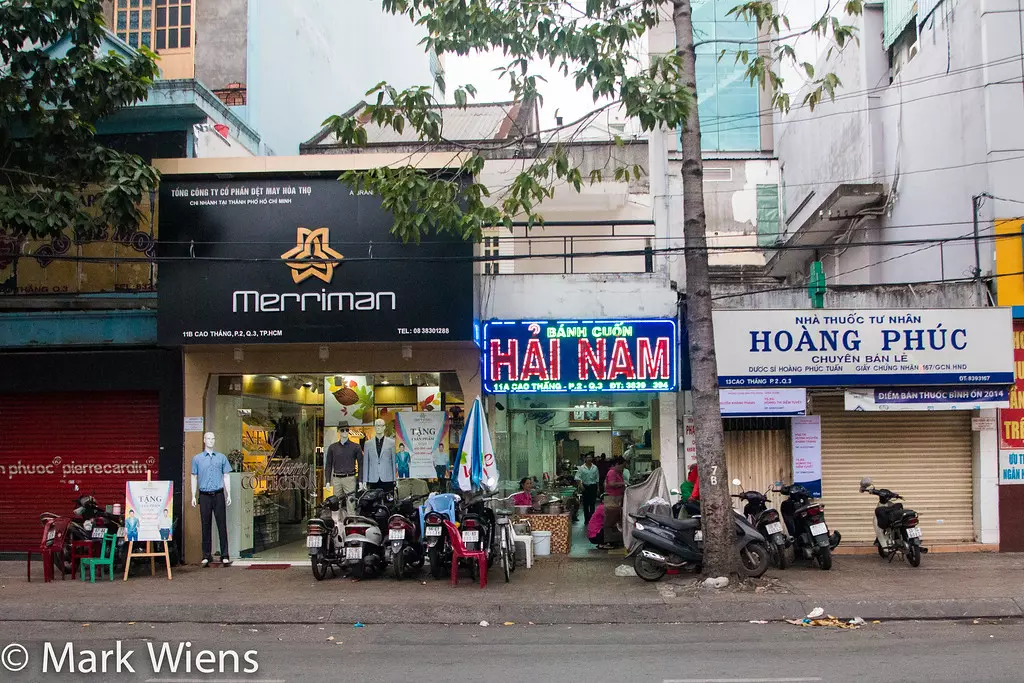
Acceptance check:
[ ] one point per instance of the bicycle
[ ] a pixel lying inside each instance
(506, 544)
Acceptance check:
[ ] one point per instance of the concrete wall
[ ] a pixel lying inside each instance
(308, 59)
(221, 42)
(960, 295)
(945, 129)
(520, 297)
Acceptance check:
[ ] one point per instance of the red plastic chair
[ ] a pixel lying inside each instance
(459, 551)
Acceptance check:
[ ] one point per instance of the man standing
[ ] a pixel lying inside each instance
(340, 466)
(603, 465)
(587, 475)
(211, 491)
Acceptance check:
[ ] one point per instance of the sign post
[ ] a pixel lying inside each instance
(149, 517)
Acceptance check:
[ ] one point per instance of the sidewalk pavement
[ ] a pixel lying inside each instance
(584, 591)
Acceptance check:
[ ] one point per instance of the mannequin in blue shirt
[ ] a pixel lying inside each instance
(211, 491)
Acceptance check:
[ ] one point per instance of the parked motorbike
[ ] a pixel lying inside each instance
(805, 519)
(405, 550)
(478, 531)
(767, 521)
(439, 549)
(324, 540)
(896, 527)
(666, 542)
(364, 537)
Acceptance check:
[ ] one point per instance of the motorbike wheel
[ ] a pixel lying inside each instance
(781, 560)
(754, 560)
(398, 565)
(434, 555)
(320, 565)
(505, 569)
(824, 558)
(359, 571)
(913, 554)
(881, 551)
(646, 569)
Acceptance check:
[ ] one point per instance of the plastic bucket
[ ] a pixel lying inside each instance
(541, 543)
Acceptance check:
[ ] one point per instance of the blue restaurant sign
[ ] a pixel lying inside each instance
(580, 356)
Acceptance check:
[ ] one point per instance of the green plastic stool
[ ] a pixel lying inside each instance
(106, 559)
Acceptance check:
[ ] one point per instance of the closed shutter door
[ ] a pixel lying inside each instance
(56, 447)
(924, 456)
(758, 458)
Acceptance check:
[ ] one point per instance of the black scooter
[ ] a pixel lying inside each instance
(767, 521)
(805, 519)
(665, 542)
(405, 550)
(897, 529)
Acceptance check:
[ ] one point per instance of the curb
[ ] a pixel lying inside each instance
(690, 611)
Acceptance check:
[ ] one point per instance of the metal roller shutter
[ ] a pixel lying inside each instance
(924, 456)
(56, 447)
(758, 458)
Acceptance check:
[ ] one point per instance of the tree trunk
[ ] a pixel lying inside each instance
(716, 506)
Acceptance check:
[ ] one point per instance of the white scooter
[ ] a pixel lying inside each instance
(363, 552)
(897, 528)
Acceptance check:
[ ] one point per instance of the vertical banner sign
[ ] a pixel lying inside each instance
(1011, 420)
(148, 510)
(807, 453)
(421, 435)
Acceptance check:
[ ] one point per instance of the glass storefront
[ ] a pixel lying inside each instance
(547, 436)
(275, 430)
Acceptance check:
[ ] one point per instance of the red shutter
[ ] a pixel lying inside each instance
(56, 447)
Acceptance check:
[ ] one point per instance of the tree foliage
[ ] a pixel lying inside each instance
(597, 45)
(55, 85)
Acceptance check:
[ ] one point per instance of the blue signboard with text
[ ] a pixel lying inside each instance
(580, 356)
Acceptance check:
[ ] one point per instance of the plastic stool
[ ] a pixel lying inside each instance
(79, 549)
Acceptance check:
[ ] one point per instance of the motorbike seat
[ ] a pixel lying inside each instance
(677, 524)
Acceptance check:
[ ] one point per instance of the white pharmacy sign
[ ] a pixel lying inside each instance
(762, 402)
(1011, 467)
(900, 399)
(881, 347)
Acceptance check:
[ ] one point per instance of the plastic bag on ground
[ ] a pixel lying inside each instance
(624, 570)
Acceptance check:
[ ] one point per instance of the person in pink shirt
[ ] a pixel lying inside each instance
(525, 495)
(595, 527)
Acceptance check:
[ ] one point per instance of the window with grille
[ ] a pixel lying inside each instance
(491, 249)
(157, 24)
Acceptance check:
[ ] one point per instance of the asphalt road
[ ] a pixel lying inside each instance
(709, 653)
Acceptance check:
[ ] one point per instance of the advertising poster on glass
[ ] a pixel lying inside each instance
(420, 439)
(807, 453)
(149, 510)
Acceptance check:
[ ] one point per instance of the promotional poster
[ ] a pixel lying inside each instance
(148, 510)
(421, 435)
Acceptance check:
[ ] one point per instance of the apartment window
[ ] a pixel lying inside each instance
(158, 24)
(728, 104)
(491, 249)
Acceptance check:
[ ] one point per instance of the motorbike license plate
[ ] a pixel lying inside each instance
(914, 532)
(314, 541)
(472, 536)
(396, 534)
(698, 535)
(51, 534)
(433, 531)
(99, 532)
(819, 529)
(774, 528)
(355, 553)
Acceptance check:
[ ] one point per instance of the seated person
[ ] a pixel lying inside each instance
(525, 496)
(595, 527)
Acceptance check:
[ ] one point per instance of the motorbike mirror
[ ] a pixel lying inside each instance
(674, 492)
(864, 484)
(736, 482)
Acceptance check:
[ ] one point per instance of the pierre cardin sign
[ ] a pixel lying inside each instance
(300, 259)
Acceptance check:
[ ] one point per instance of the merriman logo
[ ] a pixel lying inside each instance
(310, 245)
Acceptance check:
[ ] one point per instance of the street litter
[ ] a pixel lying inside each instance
(829, 620)
(358, 624)
(758, 621)
(716, 582)
(509, 623)
(857, 621)
(484, 623)
(815, 613)
(624, 570)
(330, 637)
